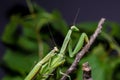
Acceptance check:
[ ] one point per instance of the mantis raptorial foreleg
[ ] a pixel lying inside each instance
(79, 45)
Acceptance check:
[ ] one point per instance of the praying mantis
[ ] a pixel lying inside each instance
(55, 58)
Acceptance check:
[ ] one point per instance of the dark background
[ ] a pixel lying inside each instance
(90, 10)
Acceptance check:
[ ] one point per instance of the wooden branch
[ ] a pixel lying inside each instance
(86, 71)
(84, 50)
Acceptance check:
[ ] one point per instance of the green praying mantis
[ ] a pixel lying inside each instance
(55, 58)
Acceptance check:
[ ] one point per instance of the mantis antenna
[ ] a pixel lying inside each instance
(76, 16)
(51, 34)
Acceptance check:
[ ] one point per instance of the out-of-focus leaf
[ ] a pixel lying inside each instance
(29, 29)
(12, 78)
(9, 35)
(113, 69)
(112, 43)
(111, 28)
(18, 62)
(28, 44)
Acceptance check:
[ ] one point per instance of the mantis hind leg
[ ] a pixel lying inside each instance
(79, 45)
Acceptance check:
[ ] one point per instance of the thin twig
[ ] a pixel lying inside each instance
(86, 71)
(84, 50)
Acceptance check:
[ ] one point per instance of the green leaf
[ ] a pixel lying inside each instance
(18, 62)
(27, 44)
(12, 78)
(112, 28)
(9, 35)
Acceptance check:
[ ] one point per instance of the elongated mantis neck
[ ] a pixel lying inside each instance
(67, 39)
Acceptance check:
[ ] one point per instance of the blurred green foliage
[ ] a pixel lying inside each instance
(28, 39)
